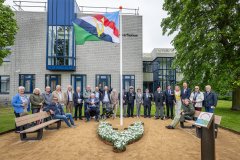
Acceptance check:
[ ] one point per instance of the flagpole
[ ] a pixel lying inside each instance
(121, 69)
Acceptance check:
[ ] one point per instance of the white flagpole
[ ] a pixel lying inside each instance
(121, 82)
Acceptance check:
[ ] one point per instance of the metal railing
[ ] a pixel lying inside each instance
(23, 5)
(93, 10)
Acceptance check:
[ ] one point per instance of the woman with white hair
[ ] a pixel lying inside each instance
(114, 101)
(36, 100)
(20, 103)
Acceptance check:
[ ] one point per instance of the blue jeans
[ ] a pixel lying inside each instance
(209, 109)
(65, 118)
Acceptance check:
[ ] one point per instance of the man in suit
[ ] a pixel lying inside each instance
(78, 102)
(68, 97)
(210, 99)
(86, 96)
(92, 108)
(159, 99)
(185, 92)
(106, 100)
(130, 101)
(170, 99)
(147, 99)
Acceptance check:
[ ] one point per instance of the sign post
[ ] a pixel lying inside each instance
(206, 122)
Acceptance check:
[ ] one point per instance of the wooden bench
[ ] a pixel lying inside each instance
(29, 124)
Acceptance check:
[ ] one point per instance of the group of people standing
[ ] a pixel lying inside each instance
(90, 101)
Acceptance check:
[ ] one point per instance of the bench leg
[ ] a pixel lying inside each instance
(59, 124)
(23, 136)
(52, 128)
(39, 134)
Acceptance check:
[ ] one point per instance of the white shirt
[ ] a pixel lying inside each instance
(97, 94)
(70, 96)
(106, 99)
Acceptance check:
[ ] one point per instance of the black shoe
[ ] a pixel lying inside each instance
(161, 118)
(75, 119)
(181, 124)
(169, 127)
(156, 118)
(80, 119)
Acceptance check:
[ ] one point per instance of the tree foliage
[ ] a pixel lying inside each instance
(207, 41)
(8, 29)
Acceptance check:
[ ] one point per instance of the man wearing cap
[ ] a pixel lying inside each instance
(130, 101)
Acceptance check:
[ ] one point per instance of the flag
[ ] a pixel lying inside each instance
(100, 27)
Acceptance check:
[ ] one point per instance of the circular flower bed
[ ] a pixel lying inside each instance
(119, 139)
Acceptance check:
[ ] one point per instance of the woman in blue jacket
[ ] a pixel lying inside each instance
(20, 103)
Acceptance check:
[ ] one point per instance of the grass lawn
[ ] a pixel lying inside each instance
(230, 119)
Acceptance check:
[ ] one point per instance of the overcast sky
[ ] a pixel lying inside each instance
(152, 13)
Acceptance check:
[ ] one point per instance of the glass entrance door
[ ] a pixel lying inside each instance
(78, 81)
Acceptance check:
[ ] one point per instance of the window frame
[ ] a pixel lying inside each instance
(109, 83)
(1, 84)
(73, 82)
(32, 85)
(60, 77)
(124, 79)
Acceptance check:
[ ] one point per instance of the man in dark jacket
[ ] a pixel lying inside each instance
(147, 99)
(130, 101)
(78, 103)
(210, 99)
(170, 99)
(185, 92)
(92, 108)
(159, 99)
(187, 114)
(57, 112)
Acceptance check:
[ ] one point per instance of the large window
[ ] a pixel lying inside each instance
(52, 80)
(147, 67)
(28, 81)
(4, 84)
(60, 48)
(128, 80)
(78, 80)
(163, 73)
(60, 39)
(148, 85)
(104, 80)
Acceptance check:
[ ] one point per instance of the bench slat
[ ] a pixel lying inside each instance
(31, 118)
(37, 127)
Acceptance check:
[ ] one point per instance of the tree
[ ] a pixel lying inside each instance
(207, 42)
(8, 29)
